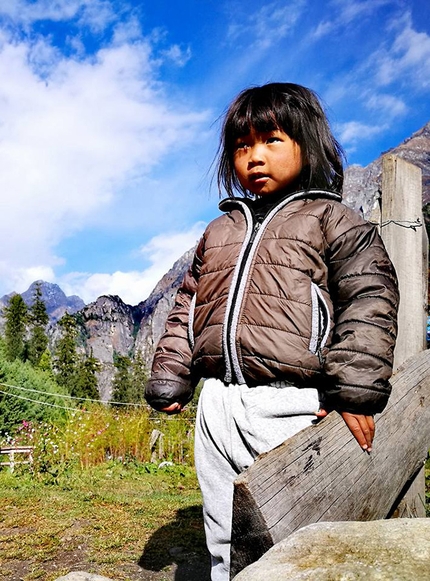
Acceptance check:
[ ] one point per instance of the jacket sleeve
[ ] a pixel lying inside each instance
(364, 290)
(171, 380)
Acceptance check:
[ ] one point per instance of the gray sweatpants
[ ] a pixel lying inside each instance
(234, 425)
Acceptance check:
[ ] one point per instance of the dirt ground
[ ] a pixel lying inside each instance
(161, 559)
(184, 567)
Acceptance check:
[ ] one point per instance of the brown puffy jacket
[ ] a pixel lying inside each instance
(307, 296)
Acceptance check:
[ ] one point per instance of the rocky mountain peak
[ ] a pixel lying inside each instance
(107, 307)
(362, 183)
(56, 301)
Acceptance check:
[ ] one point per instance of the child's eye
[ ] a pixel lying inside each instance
(273, 139)
(240, 145)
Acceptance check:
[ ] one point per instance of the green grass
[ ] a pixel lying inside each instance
(104, 520)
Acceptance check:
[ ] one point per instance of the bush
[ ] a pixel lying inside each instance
(36, 397)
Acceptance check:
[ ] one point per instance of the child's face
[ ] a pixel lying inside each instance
(267, 162)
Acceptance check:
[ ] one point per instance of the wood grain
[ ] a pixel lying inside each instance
(321, 474)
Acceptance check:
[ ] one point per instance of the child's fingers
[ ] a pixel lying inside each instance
(174, 408)
(362, 428)
(321, 413)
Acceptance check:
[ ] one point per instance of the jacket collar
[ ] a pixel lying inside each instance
(228, 204)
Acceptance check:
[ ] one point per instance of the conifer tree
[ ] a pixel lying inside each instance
(139, 377)
(121, 385)
(45, 362)
(38, 318)
(65, 360)
(86, 378)
(15, 328)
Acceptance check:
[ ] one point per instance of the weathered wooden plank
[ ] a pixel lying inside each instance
(408, 249)
(321, 474)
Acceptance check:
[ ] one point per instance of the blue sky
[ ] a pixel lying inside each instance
(109, 118)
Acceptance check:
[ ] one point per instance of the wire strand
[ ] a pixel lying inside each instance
(72, 396)
(65, 396)
(78, 410)
(53, 405)
(401, 223)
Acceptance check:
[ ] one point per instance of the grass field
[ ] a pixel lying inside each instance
(127, 519)
(127, 522)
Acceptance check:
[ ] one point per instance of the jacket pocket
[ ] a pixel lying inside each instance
(191, 321)
(320, 326)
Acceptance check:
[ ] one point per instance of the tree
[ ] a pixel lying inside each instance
(45, 362)
(121, 385)
(139, 378)
(86, 378)
(17, 406)
(38, 318)
(15, 328)
(66, 358)
(128, 385)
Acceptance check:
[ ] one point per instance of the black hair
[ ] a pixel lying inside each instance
(296, 111)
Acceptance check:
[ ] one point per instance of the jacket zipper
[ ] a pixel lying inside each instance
(233, 372)
(320, 323)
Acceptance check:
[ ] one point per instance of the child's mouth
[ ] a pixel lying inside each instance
(258, 178)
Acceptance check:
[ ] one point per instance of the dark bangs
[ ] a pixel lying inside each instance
(295, 110)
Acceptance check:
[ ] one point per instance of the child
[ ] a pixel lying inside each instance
(288, 309)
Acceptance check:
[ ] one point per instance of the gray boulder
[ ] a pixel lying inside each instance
(382, 550)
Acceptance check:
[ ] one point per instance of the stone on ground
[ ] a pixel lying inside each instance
(381, 550)
(82, 576)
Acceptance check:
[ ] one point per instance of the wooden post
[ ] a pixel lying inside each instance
(407, 246)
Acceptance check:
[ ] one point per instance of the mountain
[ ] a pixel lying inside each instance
(110, 327)
(56, 301)
(156, 307)
(362, 183)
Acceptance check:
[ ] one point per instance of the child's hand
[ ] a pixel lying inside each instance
(361, 427)
(174, 408)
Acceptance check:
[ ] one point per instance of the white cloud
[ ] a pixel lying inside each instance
(389, 105)
(133, 287)
(94, 13)
(180, 56)
(345, 12)
(20, 279)
(268, 25)
(354, 131)
(407, 59)
(73, 135)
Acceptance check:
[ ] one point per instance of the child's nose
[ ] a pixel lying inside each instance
(256, 154)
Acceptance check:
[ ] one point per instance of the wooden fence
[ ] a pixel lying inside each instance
(321, 474)
(12, 451)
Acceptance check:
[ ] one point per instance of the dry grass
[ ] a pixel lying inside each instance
(105, 520)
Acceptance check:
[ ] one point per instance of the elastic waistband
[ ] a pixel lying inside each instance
(281, 384)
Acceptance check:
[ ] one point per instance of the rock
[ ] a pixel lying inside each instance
(56, 301)
(82, 576)
(360, 190)
(156, 307)
(108, 326)
(381, 550)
